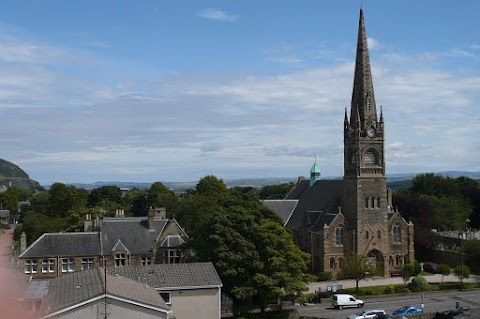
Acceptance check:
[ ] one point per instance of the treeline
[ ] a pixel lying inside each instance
(441, 203)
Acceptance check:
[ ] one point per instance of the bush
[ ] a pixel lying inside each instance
(418, 284)
(390, 289)
(418, 268)
(325, 276)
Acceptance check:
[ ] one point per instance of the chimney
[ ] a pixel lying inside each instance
(151, 219)
(88, 223)
(23, 242)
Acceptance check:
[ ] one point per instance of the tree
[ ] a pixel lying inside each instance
(211, 185)
(276, 191)
(160, 196)
(61, 200)
(408, 271)
(461, 271)
(136, 200)
(358, 268)
(444, 269)
(100, 194)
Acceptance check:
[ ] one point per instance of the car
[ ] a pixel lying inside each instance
(343, 300)
(430, 267)
(367, 314)
(407, 310)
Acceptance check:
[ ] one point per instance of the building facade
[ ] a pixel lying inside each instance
(335, 218)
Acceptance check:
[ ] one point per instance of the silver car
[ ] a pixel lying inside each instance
(367, 314)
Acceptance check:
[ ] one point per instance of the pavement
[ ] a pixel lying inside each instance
(323, 285)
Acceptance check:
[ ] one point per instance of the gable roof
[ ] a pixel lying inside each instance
(64, 245)
(283, 207)
(298, 189)
(79, 288)
(323, 196)
(133, 233)
(172, 241)
(172, 276)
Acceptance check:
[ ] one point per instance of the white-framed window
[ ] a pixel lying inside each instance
(48, 266)
(120, 259)
(397, 233)
(146, 261)
(88, 263)
(167, 297)
(31, 266)
(172, 256)
(68, 264)
(339, 235)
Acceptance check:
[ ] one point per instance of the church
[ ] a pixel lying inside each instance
(331, 219)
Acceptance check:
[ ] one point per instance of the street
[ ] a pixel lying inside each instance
(433, 301)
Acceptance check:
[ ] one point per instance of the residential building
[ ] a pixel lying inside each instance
(192, 290)
(114, 242)
(331, 219)
(95, 294)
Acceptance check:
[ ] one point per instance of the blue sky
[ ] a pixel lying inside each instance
(175, 90)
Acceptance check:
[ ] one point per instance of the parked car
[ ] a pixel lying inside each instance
(343, 300)
(407, 310)
(367, 314)
(452, 314)
(430, 267)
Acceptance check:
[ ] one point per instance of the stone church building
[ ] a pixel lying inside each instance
(331, 219)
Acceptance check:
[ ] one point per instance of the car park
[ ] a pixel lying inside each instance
(407, 310)
(367, 314)
(343, 300)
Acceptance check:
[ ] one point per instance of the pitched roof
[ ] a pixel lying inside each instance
(172, 241)
(298, 189)
(172, 276)
(283, 207)
(64, 245)
(323, 196)
(133, 233)
(86, 286)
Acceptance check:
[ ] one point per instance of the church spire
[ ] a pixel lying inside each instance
(363, 98)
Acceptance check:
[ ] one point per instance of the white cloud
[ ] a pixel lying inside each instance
(214, 14)
(372, 44)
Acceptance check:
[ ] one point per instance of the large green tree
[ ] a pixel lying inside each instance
(160, 196)
(358, 268)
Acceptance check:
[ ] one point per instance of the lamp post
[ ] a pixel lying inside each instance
(461, 249)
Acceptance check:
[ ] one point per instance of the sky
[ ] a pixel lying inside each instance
(174, 90)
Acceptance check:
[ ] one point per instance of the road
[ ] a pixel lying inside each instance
(433, 301)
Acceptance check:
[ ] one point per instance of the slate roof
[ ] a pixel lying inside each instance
(298, 189)
(322, 218)
(323, 196)
(64, 245)
(72, 289)
(283, 207)
(172, 241)
(172, 276)
(133, 232)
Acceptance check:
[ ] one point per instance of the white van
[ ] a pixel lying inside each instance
(343, 300)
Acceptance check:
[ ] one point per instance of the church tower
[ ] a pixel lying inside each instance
(365, 186)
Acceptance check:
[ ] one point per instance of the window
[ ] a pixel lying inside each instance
(398, 261)
(366, 202)
(167, 297)
(120, 259)
(378, 202)
(369, 159)
(48, 265)
(332, 263)
(146, 261)
(379, 234)
(31, 266)
(68, 264)
(88, 263)
(372, 202)
(366, 234)
(397, 233)
(339, 235)
(172, 256)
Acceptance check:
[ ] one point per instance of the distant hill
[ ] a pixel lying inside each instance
(394, 181)
(12, 175)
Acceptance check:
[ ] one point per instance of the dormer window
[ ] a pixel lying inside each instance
(120, 259)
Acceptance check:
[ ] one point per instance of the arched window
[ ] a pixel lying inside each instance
(332, 263)
(378, 201)
(379, 234)
(367, 202)
(366, 234)
(339, 235)
(397, 233)
(372, 202)
(369, 159)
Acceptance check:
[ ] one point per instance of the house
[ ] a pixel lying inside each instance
(192, 290)
(95, 294)
(332, 219)
(114, 242)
